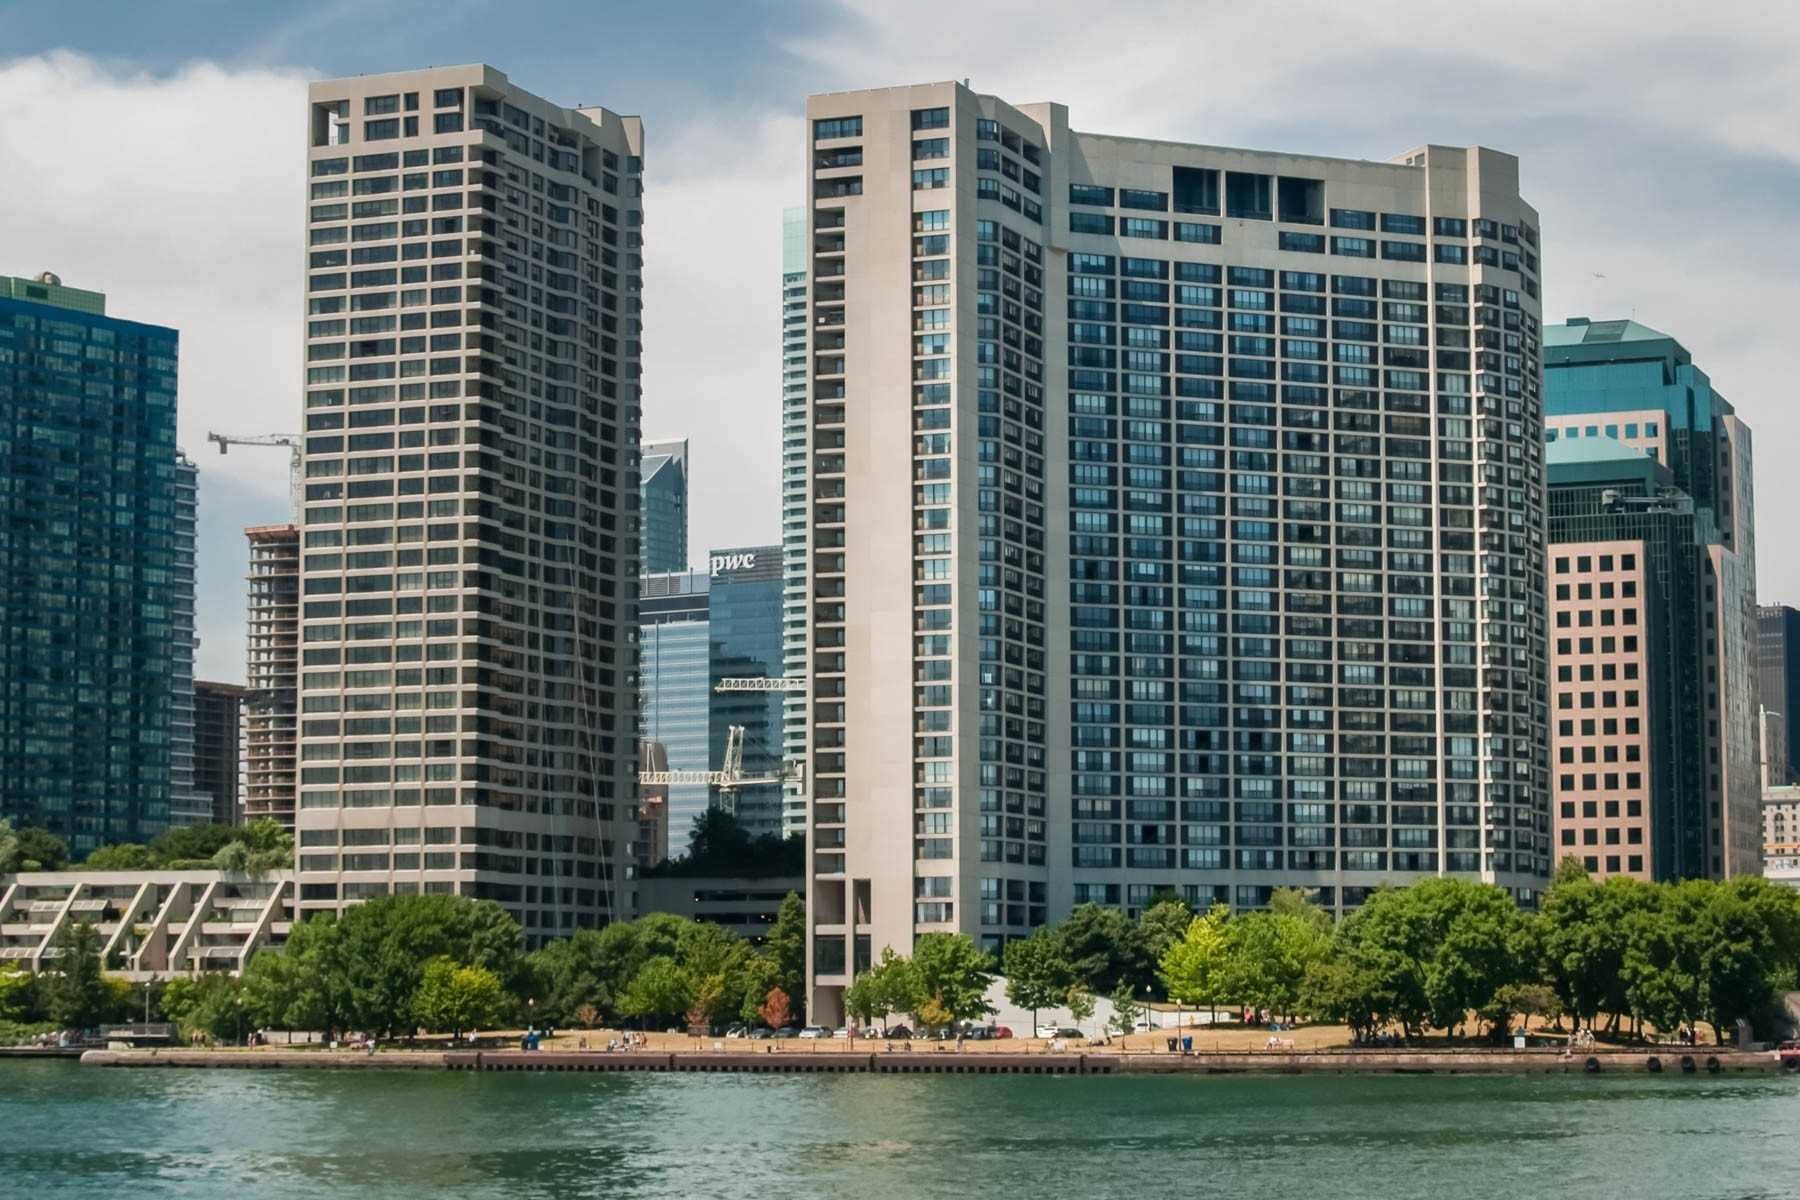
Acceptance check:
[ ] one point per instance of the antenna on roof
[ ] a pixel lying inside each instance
(965, 81)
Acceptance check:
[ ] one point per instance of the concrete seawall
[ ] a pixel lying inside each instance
(1346, 1062)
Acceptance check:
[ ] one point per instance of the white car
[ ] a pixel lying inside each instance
(1048, 1031)
(815, 1031)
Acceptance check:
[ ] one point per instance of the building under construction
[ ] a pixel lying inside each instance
(272, 672)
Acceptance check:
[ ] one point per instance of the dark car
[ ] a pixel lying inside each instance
(787, 1031)
(980, 1033)
(762, 1032)
(899, 1033)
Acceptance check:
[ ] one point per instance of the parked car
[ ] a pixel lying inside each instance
(738, 1030)
(815, 1031)
(787, 1031)
(1001, 1032)
(1068, 1031)
(840, 1032)
(1047, 1031)
(761, 1033)
(899, 1033)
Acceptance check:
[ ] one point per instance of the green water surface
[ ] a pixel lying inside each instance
(66, 1130)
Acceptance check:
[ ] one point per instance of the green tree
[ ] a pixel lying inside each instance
(1294, 902)
(1162, 924)
(124, 856)
(211, 1003)
(786, 946)
(863, 1000)
(1080, 1003)
(592, 967)
(304, 984)
(1105, 946)
(454, 998)
(1348, 991)
(658, 994)
(9, 848)
(1267, 956)
(17, 992)
(1037, 972)
(1192, 968)
(1528, 1000)
(955, 972)
(71, 991)
(1581, 934)
(1126, 1008)
(895, 985)
(1750, 931)
(192, 843)
(1433, 952)
(385, 942)
(33, 848)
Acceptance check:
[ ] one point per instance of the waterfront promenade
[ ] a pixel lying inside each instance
(950, 1062)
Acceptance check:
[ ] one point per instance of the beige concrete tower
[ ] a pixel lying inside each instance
(469, 534)
(1175, 521)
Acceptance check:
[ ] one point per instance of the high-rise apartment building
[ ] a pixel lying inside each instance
(188, 804)
(272, 674)
(1175, 521)
(218, 740)
(1632, 384)
(664, 506)
(95, 583)
(1778, 677)
(469, 539)
(1628, 664)
(795, 253)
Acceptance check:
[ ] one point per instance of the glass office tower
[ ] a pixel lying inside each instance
(96, 587)
(747, 648)
(675, 694)
(663, 506)
(1636, 385)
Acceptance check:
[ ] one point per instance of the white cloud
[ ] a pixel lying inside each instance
(180, 198)
(1655, 139)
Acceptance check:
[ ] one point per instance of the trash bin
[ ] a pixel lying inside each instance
(1187, 1044)
(1173, 1045)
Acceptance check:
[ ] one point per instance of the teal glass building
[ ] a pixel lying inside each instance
(91, 576)
(746, 636)
(1620, 385)
(663, 507)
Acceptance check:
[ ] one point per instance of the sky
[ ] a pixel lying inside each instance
(154, 151)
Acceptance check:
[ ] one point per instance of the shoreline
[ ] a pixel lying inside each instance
(1308, 1062)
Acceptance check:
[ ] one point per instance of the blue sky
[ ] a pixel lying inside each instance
(1655, 138)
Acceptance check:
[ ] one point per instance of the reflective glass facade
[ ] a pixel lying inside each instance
(663, 511)
(746, 636)
(675, 694)
(92, 573)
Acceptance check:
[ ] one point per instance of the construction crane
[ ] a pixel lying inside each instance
(728, 778)
(296, 493)
(780, 683)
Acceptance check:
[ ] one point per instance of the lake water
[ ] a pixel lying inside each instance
(70, 1131)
